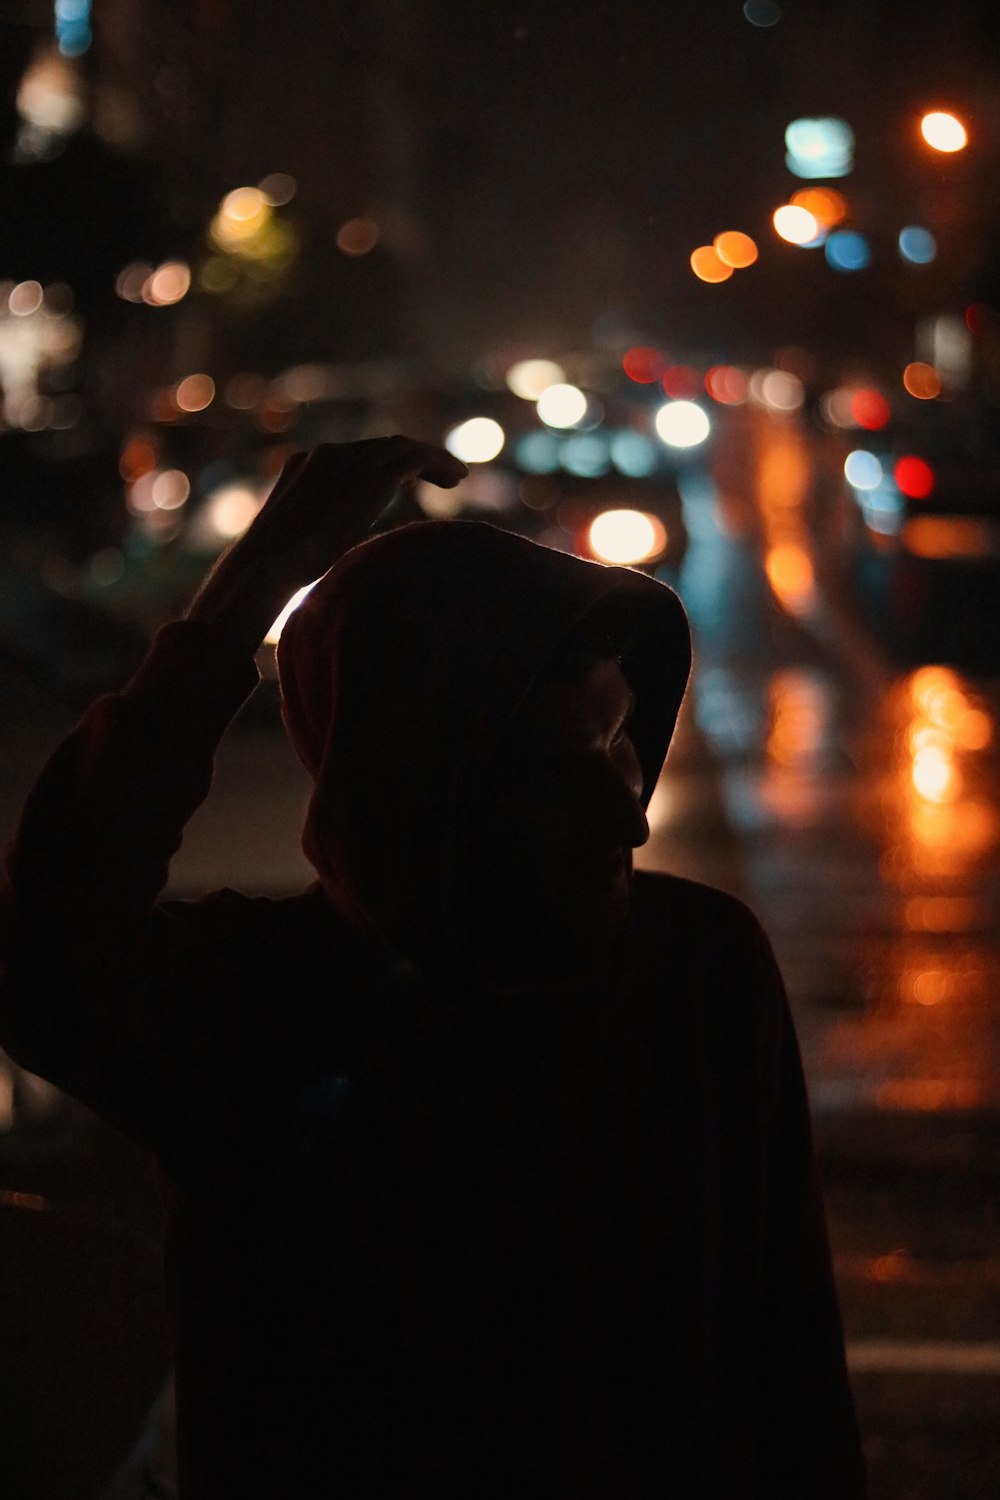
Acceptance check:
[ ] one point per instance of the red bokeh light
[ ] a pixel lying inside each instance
(643, 364)
(682, 383)
(914, 477)
(980, 317)
(870, 410)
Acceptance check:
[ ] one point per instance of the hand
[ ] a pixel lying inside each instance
(321, 504)
(326, 500)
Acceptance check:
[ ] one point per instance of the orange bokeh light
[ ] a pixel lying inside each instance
(922, 381)
(827, 206)
(708, 265)
(735, 249)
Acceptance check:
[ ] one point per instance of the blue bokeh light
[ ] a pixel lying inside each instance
(586, 455)
(917, 245)
(537, 452)
(762, 12)
(846, 250)
(819, 148)
(633, 454)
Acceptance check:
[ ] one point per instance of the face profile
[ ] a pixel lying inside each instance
(554, 836)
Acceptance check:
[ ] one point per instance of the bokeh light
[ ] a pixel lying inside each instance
(562, 405)
(231, 509)
(358, 236)
(681, 382)
(914, 477)
(819, 148)
(796, 225)
(708, 265)
(727, 385)
(827, 206)
(922, 380)
(682, 424)
(626, 536)
(643, 364)
(846, 250)
(863, 470)
(943, 131)
(278, 188)
(475, 441)
(735, 248)
(194, 392)
(870, 409)
(586, 454)
(170, 489)
(25, 298)
(633, 454)
(917, 245)
(537, 452)
(762, 13)
(167, 284)
(781, 390)
(242, 214)
(528, 378)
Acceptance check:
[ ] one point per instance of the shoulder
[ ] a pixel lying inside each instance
(686, 907)
(707, 946)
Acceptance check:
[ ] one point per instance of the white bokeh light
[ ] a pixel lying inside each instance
(476, 441)
(562, 405)
(682, 424)
(626, 536)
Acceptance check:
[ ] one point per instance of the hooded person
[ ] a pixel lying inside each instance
(487, 1159)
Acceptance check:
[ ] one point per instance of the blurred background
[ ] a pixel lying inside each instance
(707, 288)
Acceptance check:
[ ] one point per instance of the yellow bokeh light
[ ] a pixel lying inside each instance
(796, 225)
(922, 381)
(735, 248)
(626, 536)
(528, 378)
(242, 214)
(708, 265)
(827, 206)
(357, 236)
(195, 392)
(945, 132)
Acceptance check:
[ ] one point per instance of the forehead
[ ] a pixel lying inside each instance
(586, 704)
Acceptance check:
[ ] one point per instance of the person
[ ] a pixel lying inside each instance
(487, 1159)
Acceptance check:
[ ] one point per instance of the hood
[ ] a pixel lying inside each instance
(399, 671)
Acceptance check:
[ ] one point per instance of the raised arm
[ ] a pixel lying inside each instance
(106, 815)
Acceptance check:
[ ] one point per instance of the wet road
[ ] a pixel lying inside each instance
(856, 805)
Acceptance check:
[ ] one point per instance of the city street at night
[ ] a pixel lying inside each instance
(707, 291)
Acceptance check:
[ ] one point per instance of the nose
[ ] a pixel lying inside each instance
(625, 796)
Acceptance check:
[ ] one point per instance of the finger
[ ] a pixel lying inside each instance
(423, 461)
(290, 471)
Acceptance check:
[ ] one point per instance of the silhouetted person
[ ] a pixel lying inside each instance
(487, 1161)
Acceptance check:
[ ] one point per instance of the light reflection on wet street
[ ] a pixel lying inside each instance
(856, 812)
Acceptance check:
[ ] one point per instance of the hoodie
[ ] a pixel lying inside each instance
(419, 1237)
